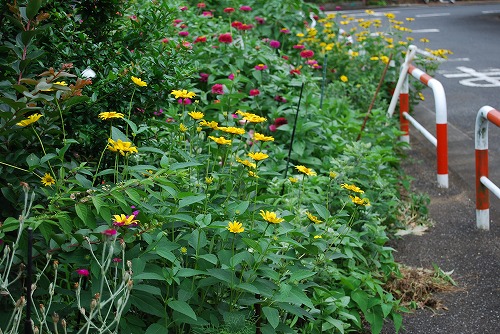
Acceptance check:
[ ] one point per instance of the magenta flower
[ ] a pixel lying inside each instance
(228, 10)
(246, 8)
(218, 89)
(260, 67)
(165, 40)
(109, 232)
(200, 39)
(207, 13)
(82, 272)
(272, 128)
(260, 20)
(204, 77)
(183, 8)
(274, 44)
(254, 92)
(184, 101)
(285, 31)
(307, 54)
(158, 113)
(226, 38)
(298, 46)
(280, 121)
(201, 5)
(183, 33)
(117, 260)
(230, 76)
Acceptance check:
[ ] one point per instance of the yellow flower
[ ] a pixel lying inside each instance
(182, 128)
(305, 170)
(246, 163)
(253, 174)
(313, 218)
(231, 129)
(252, 118)
(139, 82)
(333, 175)
(352, 187)
(410, 19)
(48, 180)
(421, 96)
(424, 40)
(123, 220)
(318, 236)
(384, 59)
(212, 124)
(343, 78)
(184, 94)
(235, 227)
(293, 179)
(30, 120)
(261, 137)
(209, 180)
(300, 34)
(220, 140)
(184, 250)
(270, 217)
(123, 147)
(374, 58)
(360, 201)
(110, 114)
(196, 114)
(257, 156)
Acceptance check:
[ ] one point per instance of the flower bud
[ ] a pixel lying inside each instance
(55, 317)
(93, 304)
(63, 323)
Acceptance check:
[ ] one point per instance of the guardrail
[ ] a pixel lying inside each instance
(484, 185)
(402, 91)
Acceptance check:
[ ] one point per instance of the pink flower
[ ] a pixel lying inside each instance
(280, 121)
(260, 67)
(322, 8)
(201, 5)
(200, 39)
(228, 10)
(82, 272)
(183, 33)
(183, 8)
(272, 128)
(177, 21)
(133, 17)
(246, 8)
(260, 20)
(165, 40)
(158, 113)
(245, 26)
(183, 101)
(285, 31)
(298, 46)
(218, 89)
(204, 77)
(109, 232)
(307, 54)
(207, 13)
(236, 24)
(230, 76)
(274, 44)
(285, 57)
(280, 98)
(226, 38)
(254, 92)
(117, 260)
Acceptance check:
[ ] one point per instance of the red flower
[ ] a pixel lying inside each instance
(201, 5)
(245, 26)
(207, 13)
(82, 272)
(307, 54)
(295, 71)
(200, 39)
(183, 8)
(254, 92)
(218, 89)
(280, 121)
(226, 38)
(245, 8)
(204, 77)
(109, 232)
(236, 24)
(228, 10)
(183, 33)
(298, 46)
(260, 20)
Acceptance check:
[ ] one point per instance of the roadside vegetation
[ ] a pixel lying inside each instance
(185, 167)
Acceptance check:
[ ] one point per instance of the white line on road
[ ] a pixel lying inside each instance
(490, 11)
(432, 15)
(458, 59)
(424, 30)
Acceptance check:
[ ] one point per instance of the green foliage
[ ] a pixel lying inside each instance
(230, 172)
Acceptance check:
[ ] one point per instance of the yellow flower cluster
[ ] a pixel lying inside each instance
(220, 140)
(352, 187)
(183, 94)
(232, 130)
(122, 147)
(313, 218)
(270, 217)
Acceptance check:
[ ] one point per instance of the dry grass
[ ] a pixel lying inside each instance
(417, 287)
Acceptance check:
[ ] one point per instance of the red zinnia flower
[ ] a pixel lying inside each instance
(236, 24)
(246, 8)
(183, 33)
(109, 232)
(295, 71)
(207, 13)
(280, 121)
(245, 26)
(254, 92)
(260, 20)
(204, 77)
(274, 44)
(307, 54)
(200, 39)
(298, 46)
(228, 10)
(201, 5)
(226, 38)
(218, 89)
(82, 272)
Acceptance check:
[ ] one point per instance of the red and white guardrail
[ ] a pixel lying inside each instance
(402, 91)
(483, 185)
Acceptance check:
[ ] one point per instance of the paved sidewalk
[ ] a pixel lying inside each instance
(454, 243)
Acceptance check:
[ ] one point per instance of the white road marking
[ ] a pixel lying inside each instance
(490, 11)
(424, 30)
(432, 15)
(458, 59)
(473, 78)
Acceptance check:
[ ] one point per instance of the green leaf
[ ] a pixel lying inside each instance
(165, 254)
(301, 274)
(294, 295)
(133, 195)
(334, 323)
(32, 8)
(149, 275)
(181, 165)
(32, 160)
(191, 200)
(156, 329)
(75, 100)
(322, 211)
(198, 239)
(188, 272)
(398, 321)
(248, 287)
(375, 319)
(361, 298)
(86, 215)
(210, 258)
(9, 224)
(182, 307)
(147, 303)
(272, 315)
